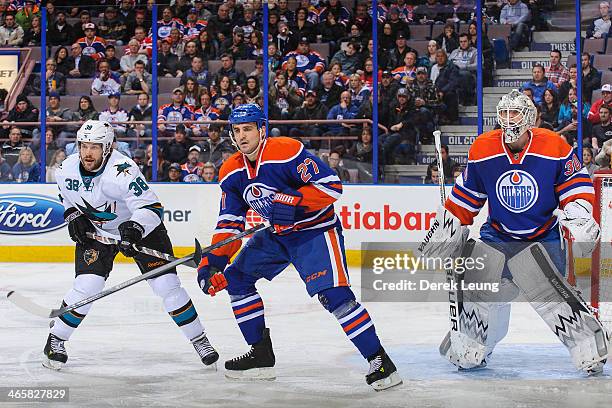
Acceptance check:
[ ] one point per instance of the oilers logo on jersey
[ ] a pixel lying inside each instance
(259, 197)
(516, 190)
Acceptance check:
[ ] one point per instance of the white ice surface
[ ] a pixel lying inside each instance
(128, 352)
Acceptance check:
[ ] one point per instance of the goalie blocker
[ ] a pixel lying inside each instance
(484, 317)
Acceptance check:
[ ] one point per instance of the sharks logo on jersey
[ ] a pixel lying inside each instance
(122, 168)
(102, 213)
(517, 190)
(259, 197)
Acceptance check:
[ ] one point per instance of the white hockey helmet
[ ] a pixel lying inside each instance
(522, 119)
(97, 131)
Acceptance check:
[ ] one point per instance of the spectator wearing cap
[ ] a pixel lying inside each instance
(329, 92)
(602, 132)
(342, 111)
(193, 25)
(396, 24)
(516, 13)
(309, 62)
(80, 66)
(191, 170)
(302, 28)
(606, 99)
(128, 61)
(432, 12)
(448, 39)
(601, 26)
(167, 23)
(11, 34)
(406, 74)
(56, 81)
(349, 59)
(426, 101)
(60, 31)
(172, 113)
(13, 146)
(174, 173)
(396, 56)
(138, 80)
(106, 82)
(228, 69)
(465, 58)
(26, 14)
(112, 27)
(23, 111)
(214, 146)
(235, 46)
(445, 75)
(111, 57)
(538, 84)
(387, 96)
(220, 25)
(55, 113)
(91, 44)
(114, 114)
(591, 78)
(176, 149)
(311, 109)
(402, 131)
(139, 158)
(167, 62)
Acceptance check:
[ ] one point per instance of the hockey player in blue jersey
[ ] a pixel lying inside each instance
(533, 181)
(295, 191)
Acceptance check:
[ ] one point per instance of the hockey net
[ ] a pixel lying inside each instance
(601, 267)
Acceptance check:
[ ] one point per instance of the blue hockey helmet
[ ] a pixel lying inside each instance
(246, 113)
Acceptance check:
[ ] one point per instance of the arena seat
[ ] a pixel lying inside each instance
(420, 31)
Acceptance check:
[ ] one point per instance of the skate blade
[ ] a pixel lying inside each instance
(254, 374)
(52, 364)
(391, 381)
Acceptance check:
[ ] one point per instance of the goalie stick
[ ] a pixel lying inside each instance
(25, 304)
(143, 250)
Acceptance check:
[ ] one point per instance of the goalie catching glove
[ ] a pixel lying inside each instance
(210, 278)
(577, 218)
(445, 237)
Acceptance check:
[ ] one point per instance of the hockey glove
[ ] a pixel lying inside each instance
(78, 226)
(210, 278)
(577, 218)
(446, 236)
(131, 234)
(284, 207)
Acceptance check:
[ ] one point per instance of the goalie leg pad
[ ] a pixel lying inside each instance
(353, 318)
(177, 304)
(561, 307)
(83, 287)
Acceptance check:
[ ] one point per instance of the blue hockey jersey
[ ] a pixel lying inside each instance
(283, 166)
(522, 189)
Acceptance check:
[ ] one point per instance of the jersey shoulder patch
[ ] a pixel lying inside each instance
(549, 144)
(281, 149)
(486, 145)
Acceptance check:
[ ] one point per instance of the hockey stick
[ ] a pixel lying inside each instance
(27, 305)
(143, 250)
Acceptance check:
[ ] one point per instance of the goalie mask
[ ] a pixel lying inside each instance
(516, 114)
(97, 131)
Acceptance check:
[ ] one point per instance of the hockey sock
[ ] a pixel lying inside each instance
(249, 314)
(353, 318)
(84, 286)
(178, 304)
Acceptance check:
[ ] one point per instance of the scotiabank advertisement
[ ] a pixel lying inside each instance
(32, 215)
